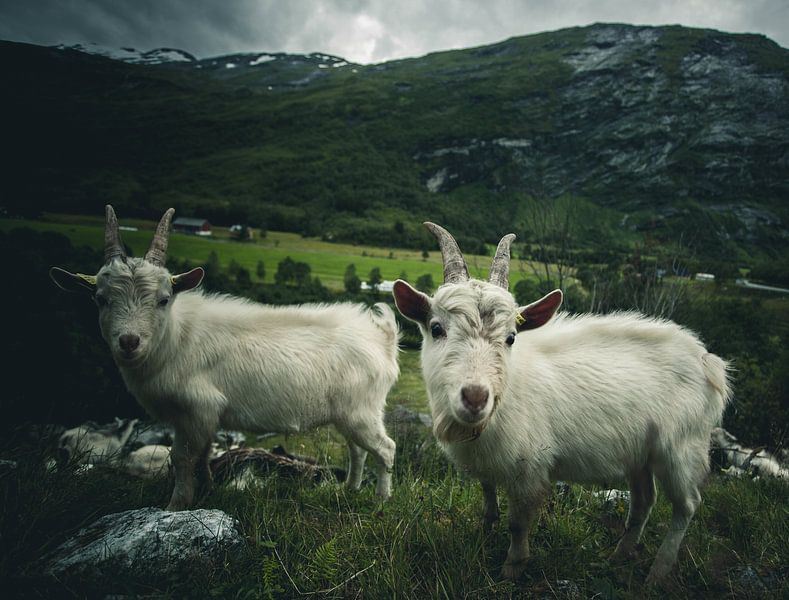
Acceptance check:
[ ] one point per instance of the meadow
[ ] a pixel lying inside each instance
(327, 260)
(306, 539)
(320, 540)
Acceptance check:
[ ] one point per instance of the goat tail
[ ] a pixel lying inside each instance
(716, 370)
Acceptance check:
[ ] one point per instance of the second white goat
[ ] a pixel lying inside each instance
(520, 399)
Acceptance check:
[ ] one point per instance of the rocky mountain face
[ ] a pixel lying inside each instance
(675, 130)
(631, 129)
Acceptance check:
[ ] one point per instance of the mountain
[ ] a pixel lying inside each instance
(657, 131)
(156, 56)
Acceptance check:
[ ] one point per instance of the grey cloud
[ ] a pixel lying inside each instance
(359, 30)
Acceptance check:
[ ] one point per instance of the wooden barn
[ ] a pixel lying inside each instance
(193, 226)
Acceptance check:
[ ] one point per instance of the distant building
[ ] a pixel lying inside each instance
(384, 286)
(193, 226)
(705, 277)
(242, 232)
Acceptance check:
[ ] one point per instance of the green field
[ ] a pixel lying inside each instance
(328, 261)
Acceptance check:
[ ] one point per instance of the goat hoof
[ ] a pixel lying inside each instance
(513, 571)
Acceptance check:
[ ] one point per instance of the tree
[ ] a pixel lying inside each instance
(424, 283)
(551, 226)
(284, 271)
(243, 278)
(301, 273)
(260, 270)
(375, 279)
(288, 270)
(425, 254)
(351, 280)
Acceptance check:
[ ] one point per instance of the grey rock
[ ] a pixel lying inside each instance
(144, 546)
(229, 439)
(632, 127)
(150, 434)
(402, 414)
(748, 580)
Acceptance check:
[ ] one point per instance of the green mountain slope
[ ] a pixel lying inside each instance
(675, 131)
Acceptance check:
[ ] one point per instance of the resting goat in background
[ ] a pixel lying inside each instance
(520, 399)
(200, 362)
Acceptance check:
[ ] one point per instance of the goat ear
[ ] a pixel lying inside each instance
(411, 303)
(73, 282)
(540, 312)
(187, 281)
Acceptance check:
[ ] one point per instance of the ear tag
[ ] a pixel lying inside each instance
(89, 279)
(519, 320)
(172, 280)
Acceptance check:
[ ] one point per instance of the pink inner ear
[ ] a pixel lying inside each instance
(189, 280)
(412, 304)
(539, 313)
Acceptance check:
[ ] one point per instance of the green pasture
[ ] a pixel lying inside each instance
(328, 261)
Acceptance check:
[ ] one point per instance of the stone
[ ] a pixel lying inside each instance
(143, 547)
(150, 434)
(402, 414)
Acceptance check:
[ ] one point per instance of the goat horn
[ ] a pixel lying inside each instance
(455, 269)
(157, 253)
(113, 247)
(500, 268)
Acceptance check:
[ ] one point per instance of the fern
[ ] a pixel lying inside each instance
(324, 562)
(269, 578)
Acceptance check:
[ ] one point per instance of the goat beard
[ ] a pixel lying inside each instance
(448, 430)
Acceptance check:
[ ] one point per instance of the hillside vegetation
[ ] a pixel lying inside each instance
(307, 539)
(678, 132)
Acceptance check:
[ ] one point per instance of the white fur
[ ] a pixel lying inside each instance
(590, 399)
(211, 361)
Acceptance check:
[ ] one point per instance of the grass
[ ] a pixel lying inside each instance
(426, 542)
(306, 539)
(328, 261)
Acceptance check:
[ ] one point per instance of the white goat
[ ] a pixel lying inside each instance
(590, 399)
(199, 362)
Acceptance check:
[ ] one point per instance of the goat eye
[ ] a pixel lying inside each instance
(100, 300)
(436, 330)
(164, 301)
(510, 339)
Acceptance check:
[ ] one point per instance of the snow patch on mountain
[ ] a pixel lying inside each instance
(156, 56)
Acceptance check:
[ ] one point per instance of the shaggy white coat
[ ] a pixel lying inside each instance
(590, 399)
(214, 361)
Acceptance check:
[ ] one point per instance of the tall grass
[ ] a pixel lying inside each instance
(321, 540)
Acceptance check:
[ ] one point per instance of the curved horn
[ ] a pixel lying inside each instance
(500, 268)
(113, 247)
(455, 269)
(157, 253)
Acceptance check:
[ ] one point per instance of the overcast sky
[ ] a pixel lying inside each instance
(362, 31)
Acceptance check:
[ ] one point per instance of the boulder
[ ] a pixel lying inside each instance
(144, 547)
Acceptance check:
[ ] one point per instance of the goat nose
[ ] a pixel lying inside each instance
(474, 397)
(129, 342)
